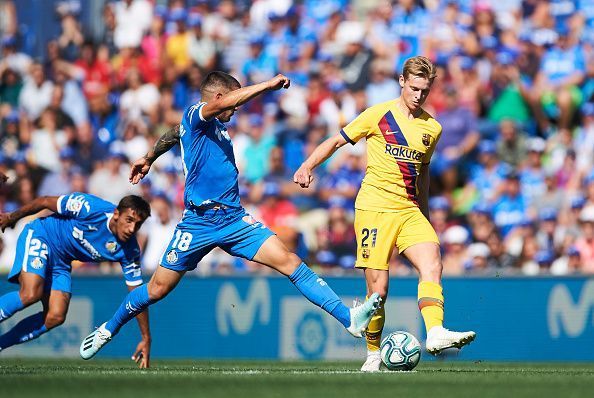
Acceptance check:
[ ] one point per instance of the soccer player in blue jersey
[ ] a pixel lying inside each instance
(213, 215)
(83, 227)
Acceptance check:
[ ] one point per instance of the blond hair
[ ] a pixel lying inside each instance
(419, 66)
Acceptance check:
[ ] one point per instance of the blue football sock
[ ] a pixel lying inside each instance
(9, 304)
(135, 303)
(28, 329)
(316, 290)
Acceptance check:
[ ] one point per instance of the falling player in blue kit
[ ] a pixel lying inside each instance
(213, 215)
(83, 227)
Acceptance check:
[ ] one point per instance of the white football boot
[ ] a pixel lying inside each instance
(361, 315)
(440, 338)
(373, 362)
(94, 342)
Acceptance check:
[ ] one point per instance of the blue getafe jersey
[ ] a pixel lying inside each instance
(208, 161)
(80, 231)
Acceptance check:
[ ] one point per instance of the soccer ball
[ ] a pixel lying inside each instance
(400, 351)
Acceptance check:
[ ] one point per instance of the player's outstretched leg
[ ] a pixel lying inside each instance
(28, 329)
(273, 253)
(163, 281)
(373, 338)
(135, 303)
(377, 280)
(10, 304)
(56, 306)
(427, 260)
(431, 305)
(31, 291)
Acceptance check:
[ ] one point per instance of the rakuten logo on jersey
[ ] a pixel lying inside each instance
(403, 153)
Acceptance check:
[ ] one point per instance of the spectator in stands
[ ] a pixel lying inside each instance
(382, 85)
(10, 139)
(455, 255)
(96, 72)
(487, 176)
(584, 140)
(46, 142)
(154, 235)
(139, 101)
(260, 65)
(11, 85)
(345, 181)
(478, 259)
(257, 151)
(57, 183)
(110, 181)
(510, 208)
(557, 83)
(570, 263)
(355, 60)
(532, 175)
(177, 46)
(462, 134)
(511, 145)
(201, 48)
(71, 37)
(337, 241)
(279, 214)
(338, 109)
(132, 20)
(12, 58)
(36, 94)
(499, 258)
(585, 243)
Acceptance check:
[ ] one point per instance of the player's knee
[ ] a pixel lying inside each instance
(158, 291)
(30, 295)
(54, 319)
(288, 263)
(432, 270)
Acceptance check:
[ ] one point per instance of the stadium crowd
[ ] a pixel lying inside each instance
(512, 179)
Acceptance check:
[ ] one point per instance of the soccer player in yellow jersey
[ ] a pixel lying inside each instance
(391, 209)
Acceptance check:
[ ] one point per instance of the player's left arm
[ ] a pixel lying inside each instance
(423, 186)
(142, 354)
(8, 220)
(141, 167)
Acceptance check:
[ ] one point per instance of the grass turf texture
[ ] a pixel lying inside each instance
(103, 378)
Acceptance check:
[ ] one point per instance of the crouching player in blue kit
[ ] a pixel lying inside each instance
(213, 215)
(83, 227)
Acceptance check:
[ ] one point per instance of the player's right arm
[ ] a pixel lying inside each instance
(303, 176)
(141, 167)
(351, 133)
(240, 96)
(8, 220)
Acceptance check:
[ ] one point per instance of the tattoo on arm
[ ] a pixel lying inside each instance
(164, 143)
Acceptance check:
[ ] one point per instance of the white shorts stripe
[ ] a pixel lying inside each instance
(26, 256)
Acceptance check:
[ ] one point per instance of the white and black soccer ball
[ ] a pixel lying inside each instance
(400, 351)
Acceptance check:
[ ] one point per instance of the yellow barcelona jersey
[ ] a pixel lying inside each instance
(396, 148)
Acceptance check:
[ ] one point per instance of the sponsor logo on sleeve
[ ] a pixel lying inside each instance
(172, 257)
(36, 263)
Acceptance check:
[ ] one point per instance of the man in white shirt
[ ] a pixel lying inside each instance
(133, 18)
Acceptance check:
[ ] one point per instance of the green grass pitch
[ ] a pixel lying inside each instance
(240, 379)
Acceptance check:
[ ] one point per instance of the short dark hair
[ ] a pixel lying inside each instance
(217, 79)
(136, 203)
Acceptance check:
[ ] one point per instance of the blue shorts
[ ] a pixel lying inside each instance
(200, 231)
(34, 255)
